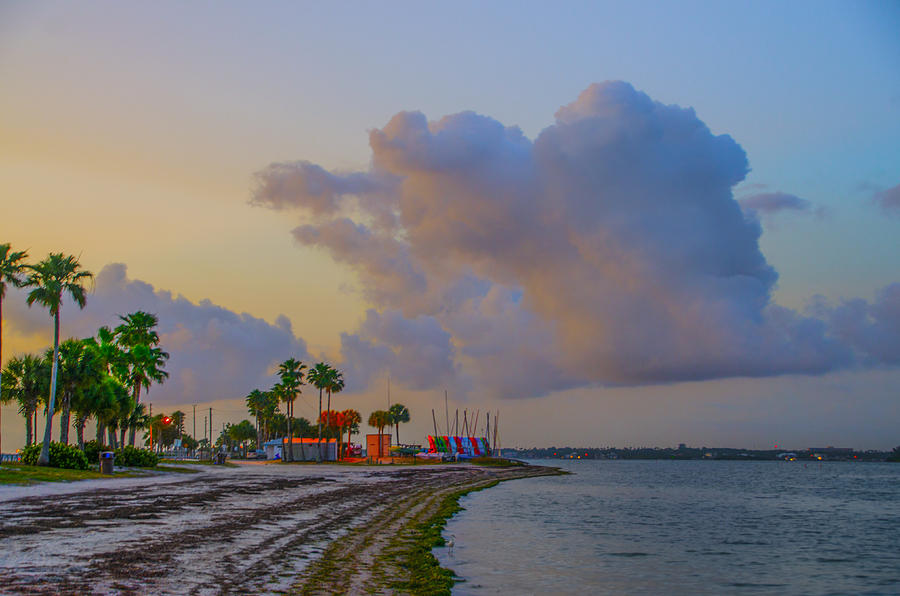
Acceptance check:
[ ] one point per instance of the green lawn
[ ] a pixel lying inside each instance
(12, 473)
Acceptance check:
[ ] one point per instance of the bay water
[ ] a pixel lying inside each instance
(683, 527)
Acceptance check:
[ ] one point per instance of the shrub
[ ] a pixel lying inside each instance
(92, 451)
(133, 457)
(61, 456)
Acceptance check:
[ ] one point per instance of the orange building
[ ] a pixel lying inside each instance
(372, 445)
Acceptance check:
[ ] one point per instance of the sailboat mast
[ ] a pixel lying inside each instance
(446, 412)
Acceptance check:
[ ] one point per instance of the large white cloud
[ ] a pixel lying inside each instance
(215, 353)
(609, 250)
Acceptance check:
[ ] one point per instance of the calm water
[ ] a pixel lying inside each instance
(684, 527)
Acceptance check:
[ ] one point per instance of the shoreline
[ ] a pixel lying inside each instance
(259, 529)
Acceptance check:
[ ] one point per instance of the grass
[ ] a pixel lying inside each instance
(15, 473)
(193, 462)
(426, 576)
(495, 462)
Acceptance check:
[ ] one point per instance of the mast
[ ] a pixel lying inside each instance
(466, 425)
(446, 412)
(434, 420)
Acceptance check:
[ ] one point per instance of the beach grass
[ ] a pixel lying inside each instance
(425, 574)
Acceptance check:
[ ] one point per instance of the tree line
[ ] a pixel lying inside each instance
(102, 377)
(98, 377)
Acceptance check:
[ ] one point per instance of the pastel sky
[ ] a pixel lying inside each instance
(616, 223)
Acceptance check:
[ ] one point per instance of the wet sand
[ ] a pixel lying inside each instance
(252, 529)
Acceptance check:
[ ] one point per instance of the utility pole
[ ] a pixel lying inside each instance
(204, 427)
(389, 392)
(210, 432)
(194, 436)
(151, 427)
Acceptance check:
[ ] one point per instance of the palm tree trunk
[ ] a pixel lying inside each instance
(64, 420)
(122, 441)
(1, 375)
(137, 400)
(328, 413)
(319, 455)
(398, 432)
(28, 435)
(290, 446)
(100, 430)
(44, 458)
(79, 430)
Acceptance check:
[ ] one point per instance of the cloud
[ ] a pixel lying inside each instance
(607, 251)
(769, 203)
(415, 352)
(889, 200)
(215, 353)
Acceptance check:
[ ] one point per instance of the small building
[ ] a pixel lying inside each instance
(303, 449)
(273, 448)
(372, 445)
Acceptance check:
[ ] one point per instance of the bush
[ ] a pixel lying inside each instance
(92, 451)
(138, 458)
(61, 456)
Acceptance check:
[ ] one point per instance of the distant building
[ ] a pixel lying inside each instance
(303, 449)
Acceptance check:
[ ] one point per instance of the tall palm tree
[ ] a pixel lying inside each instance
(399, 413)
(56, 275)
(256, 401)
(334, 383)
(12, 271)
(291, 373)
(318, 378)
(26, 380)
(379, 419)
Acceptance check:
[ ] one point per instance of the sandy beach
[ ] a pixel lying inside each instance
(249, 529)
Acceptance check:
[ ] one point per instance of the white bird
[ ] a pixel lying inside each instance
(450, 542)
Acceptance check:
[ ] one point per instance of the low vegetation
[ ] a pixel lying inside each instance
(496, 462)
(14, 473)
(61, 456)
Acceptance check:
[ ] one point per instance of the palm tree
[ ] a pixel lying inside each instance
(379, 419)
(138, 341)
(352, 420)
(26, 380)
(291, 373)
(91, 401)
(318, 377)
(137, 419)
(334, 383)
(114, 413)
(12, 270)
(256, 401)
(79, 366)
(56, 275)
(399, 413)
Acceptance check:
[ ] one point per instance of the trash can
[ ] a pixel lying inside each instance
(220, 459)
(107, 459)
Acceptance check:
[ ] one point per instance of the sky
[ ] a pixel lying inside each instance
(616, 223)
